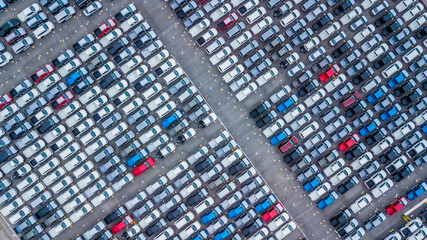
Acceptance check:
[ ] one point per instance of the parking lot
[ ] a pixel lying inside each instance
(266, 158)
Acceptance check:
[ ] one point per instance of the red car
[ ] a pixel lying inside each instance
(63, 99)
(43, 73)
(141, 168)
(396, 206)
(104, 28)
(227, 22)
(274, 211)
(353, 98)
(328, 74)
(201, 1)
(285, 147)
(4, 100)
(119, 226)
(349, 142)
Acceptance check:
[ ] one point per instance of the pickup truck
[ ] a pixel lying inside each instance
(171, 119)
(186, 9)
(275, 42)
(210, 6)
(249, 5)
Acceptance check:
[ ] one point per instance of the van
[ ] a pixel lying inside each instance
(309, 130)
(392, 69)
(289, 18)
(310, 44)
(257, 14)
(371, 84)
(413, 53)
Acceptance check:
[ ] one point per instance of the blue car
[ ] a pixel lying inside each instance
(417, 191)
(215, 212)
(370, 127)
(425, 129)
(202, 235)
(264, 205)
(373, 97)
(227, 231)
(287, 103)
(391, 112)
(243, 205)
(398, 79)
(171, 119)
(72, 79)
(327, 200)
(310, 185)
(138, 156)
(279, 137)
(3, 5)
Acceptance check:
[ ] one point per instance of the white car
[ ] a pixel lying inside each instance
(182, 221)
(362, 160)
(274, 127)
(413, 53)
(413, 12)
(378, 51)
(58, 229)
(83, 183)
(44, 29)
(173, 75)
(149, 218)
(79, 214)
(391, 69)
(220, 55)
(131, 22)
(137, 73)
(69, 67)
(164, 235)
(383, 145)
(158, 58)
(402, 5)
(104, 70)
(131, 64)
(366, 4)
(255, 15)
(90, 52)
(153, 90)
(27, 97)
(96, 201)
(27, 182)
(206, 37)
(364, 33)
(12, 164)
(82, 170)
(204, 205)
(190, 230)
(11, 207)
(96, 104)
(91, 149)
(167, 108)
(242, 39)
(220, 12)
(246, 175)
(159, 100)
(48, 82)
(319, 191)
(117, 130)
(145, 137)
(29, 12)
(270, 74)
(174, 172)
(333, 28)
(62, 184)
(228, 63)
(285, 230)
(49, 166)
(252, 87)
(36, 189)
(278, 221)
(34, 148)
(290, 18)
(404, 130)
(92, 8)
(125, 96)
(55, 133)
(70, 150)
(8, 111)
(348, 17)
(309, 129)
(111, 37)
(233, 73)
(261, 25)
(333, 167)
(361, 203)
(382, 187)
(340, 176)
(421, 118)
(15, 218)
(310, 101)
(335, 82)
(190, 188)
(5, 58)
(123, 181)
(69, 109)
(198, 28)
(62, 142)
(132, 106)
(294, 113)
(51, 178)
(75, 161)
(187, 94)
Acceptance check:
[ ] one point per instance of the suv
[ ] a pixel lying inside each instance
(8, 27)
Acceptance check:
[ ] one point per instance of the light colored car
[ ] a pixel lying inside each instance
(83, 169)
(149, 218)
(334, 167)
(158, 58)
(378, 51)
(11, 207)
(49, 166)
(69, 109)
(61, 185)
(96, 104)
(383, 145)
(190, 188)
(278, 221)
(145, 137)
(29, 12)
(362, 160)
(13, 164)
(131, 22)
(91, 149)
(90, 52)
(225, 65)
(402, 5)
(364, 33)
(361, 203)
(319, 191)
(159, 100)
(111, 37)
(59, 228)
(54, 133)
(70, 150)
(43, 30)
(220, 55)
(290, 18)
(27, 182)
(294, 113)
(348, 17)
(199, 27)
(153, 90)
(34, 148)
(137, 73)
(333, 28)
(182, 221)
(190, 230)
(309, 129)
(310, 101)
(27, 97)
(270, 74)
(69, 67)
(104, 70)
(117, 130)
(404, 130)
(261, 25)
(286, 230)
(413, 12)
(165, 234)
(173, 75)
(274, 127)
(181, 167)
(382, 187)
(167, 108)
(220, 12)
(233, 73)
(107, 193)
(340, 176)
(80, 213)
(204, 205)
(5, 58)
(252, 87)
(334, 83)
(131, 64)
(92, 8)
(48, 82)
(36, 189)
(62, 142)
(412, 54)
(391, 69)
(316, 54)
(15, 218)
(242, 39)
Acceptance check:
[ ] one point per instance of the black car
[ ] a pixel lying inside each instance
(48, 124)
(404, 88)
(45, 2)
(342, 49)
(7, 153)
(294, 155)
(405, 46)
(355, 152)
(153, 229)
(118, 45)
(83, 84)
(376, 136)
(412, 97)
(204, 164)
(340, 218)
(115, 215)
(386, 59)
(47, 209)
(145, 39)
(343, 7)
(82, 3)
(110, 79)
(233, 170)
(9, 26)
(420, 34)
(266, 119)
(252, 228)
(392, 27)
(260, 109)
(323, 22)
(363, 76)
(176, 212)
(306, 89)
(353, 111)
(196, 198)
(390, 155)
(403, 172)
(57, 5)
(125, 13)
(348, 184)
(20, 130)
(385, 18)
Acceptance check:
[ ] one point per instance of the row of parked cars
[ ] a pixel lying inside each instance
(65, 129)
(179, 206)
